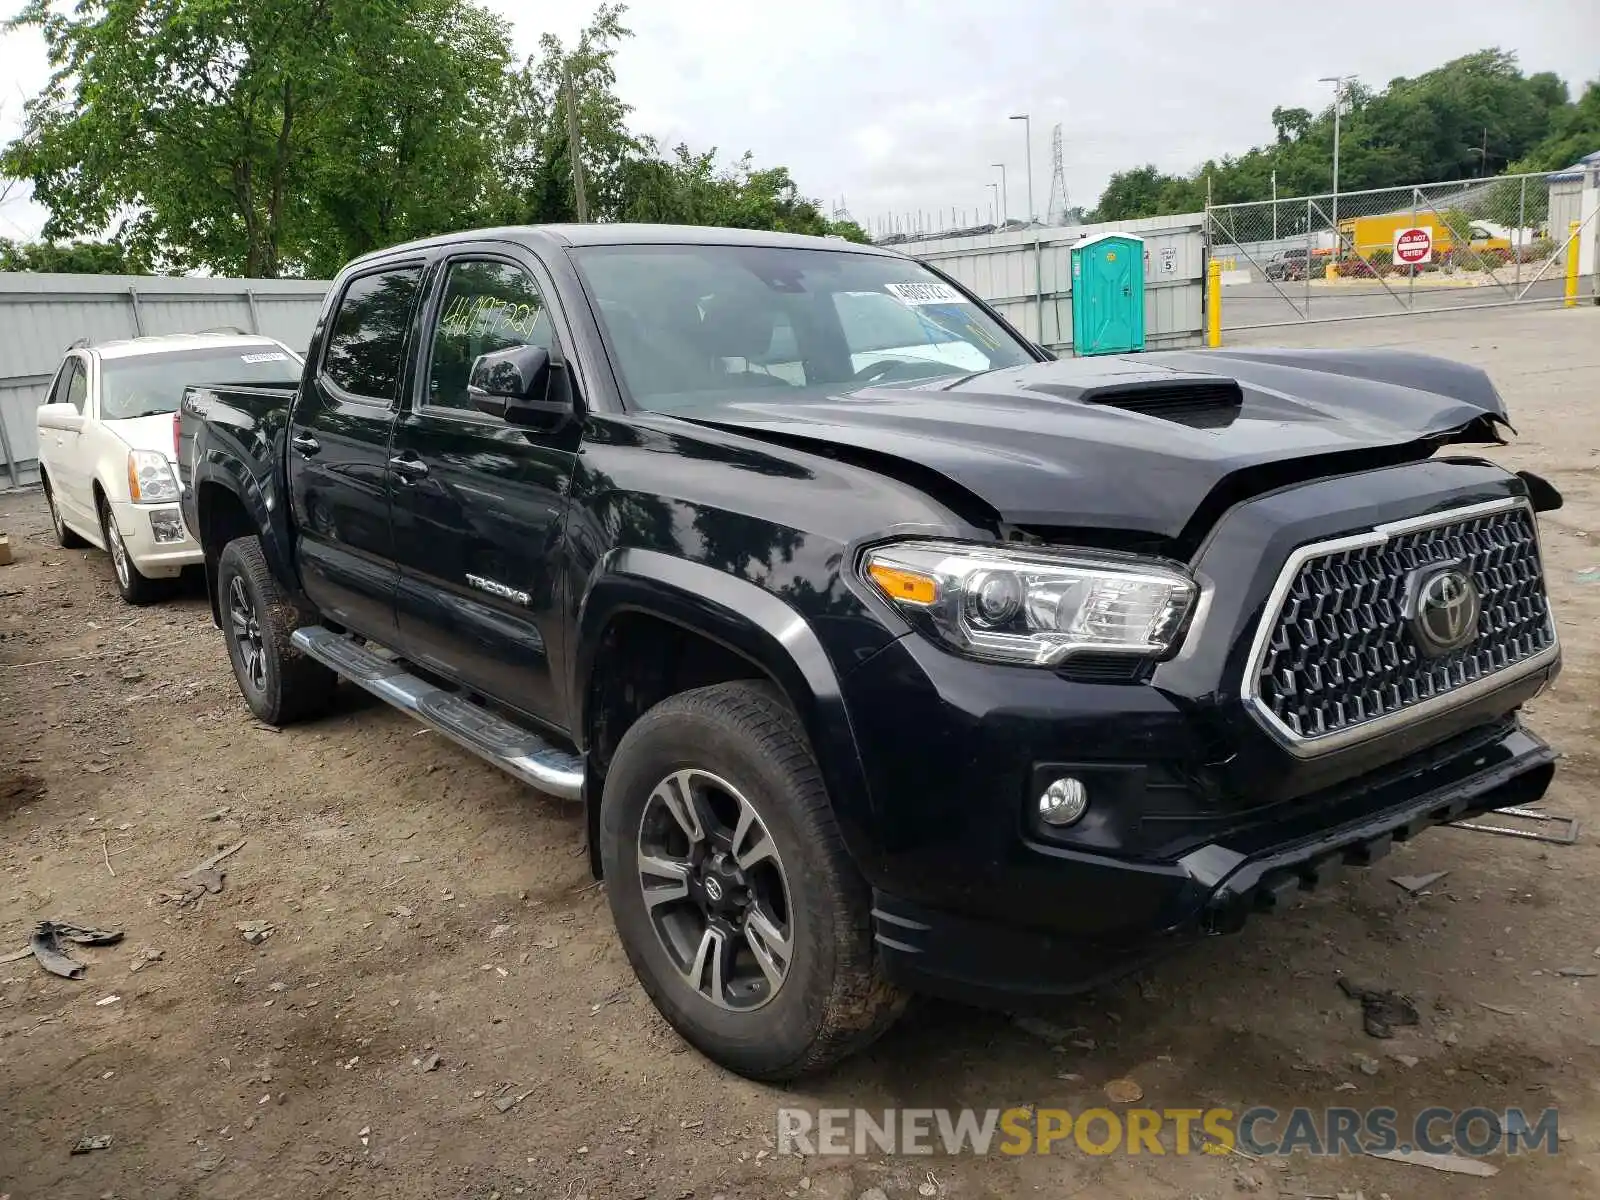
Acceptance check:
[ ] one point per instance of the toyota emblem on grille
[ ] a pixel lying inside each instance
(1445, 616)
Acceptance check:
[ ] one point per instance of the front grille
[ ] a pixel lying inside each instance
(1341, 655)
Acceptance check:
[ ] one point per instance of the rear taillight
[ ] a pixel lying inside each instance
(177, 431)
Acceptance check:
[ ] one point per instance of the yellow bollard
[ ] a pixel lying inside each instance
(1572, 263)
(1214, 304)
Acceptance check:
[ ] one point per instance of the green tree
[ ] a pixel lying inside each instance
(221, 128)
(1471, 117)
(1575, 133)
(72, 258)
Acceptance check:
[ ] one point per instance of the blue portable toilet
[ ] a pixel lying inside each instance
(1108, 294)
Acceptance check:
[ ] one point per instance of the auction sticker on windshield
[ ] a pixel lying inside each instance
(924, 293)
(273, 356)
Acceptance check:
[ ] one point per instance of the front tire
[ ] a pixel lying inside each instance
(737, 906)
(279, 683)
(135, 588)
(65, 537)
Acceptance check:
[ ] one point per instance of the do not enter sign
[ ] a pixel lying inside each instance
(1413, 246)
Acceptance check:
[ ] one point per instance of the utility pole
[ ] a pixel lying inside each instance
(1338, 82)
(1275, 205)
(1005, 205)
(575, 147)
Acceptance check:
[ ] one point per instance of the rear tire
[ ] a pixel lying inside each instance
(279, 683)
(135, 588)
(802, 987)
(65, 538)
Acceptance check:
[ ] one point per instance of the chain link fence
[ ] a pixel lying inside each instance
(1427, 247)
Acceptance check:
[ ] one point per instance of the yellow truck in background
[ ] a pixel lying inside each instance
(1372, 239)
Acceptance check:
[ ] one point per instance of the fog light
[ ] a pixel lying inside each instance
(166, 525)
(1064, 801)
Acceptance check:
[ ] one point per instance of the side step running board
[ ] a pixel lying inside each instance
(510, 747)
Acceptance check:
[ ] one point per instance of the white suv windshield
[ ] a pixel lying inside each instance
(691, 324)
(149, 386)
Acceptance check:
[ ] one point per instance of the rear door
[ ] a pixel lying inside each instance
(478, 502)
(338, 451)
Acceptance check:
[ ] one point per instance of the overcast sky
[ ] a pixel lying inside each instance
(897, 105)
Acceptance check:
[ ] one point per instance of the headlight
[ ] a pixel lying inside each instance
(150, 479)
(1018, 605)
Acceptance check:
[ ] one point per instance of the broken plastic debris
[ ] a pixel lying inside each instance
(92, 1141)
(46, 945)
(1416, 883)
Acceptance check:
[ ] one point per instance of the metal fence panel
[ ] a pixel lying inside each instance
(1026, 274)
(1348, 255)
(41, 315)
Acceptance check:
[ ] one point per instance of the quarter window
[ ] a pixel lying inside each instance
(367, 338)
(487, 306)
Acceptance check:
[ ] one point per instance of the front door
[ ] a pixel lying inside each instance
(478, 502)
(339, 451)
(70, 473)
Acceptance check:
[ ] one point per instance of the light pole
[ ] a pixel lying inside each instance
(1275, 205)
(1038, 266)
(1027, 133)
(1005, 204)
(1338, 82)
(994, 203)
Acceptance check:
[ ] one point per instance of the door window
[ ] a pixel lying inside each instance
(487, 306)
(72, 386)
(366, 339)
(77, 386)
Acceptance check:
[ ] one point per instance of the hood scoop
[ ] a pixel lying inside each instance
(1197, 401)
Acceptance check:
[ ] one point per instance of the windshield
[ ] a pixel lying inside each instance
(151, 385)
(688, 325)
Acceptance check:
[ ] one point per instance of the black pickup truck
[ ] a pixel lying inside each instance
(886, 653)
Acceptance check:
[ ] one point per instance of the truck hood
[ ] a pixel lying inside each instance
(1135, 442)
(145, 433)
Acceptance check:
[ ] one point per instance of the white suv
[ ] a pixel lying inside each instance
(106, 444)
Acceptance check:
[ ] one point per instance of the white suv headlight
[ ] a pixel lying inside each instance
(1036, 606)
(150, 479)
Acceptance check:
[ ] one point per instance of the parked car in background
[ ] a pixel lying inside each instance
(1287, 264)
(106, 444)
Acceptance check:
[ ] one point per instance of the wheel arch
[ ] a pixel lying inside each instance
(733, 629)
(227, 507)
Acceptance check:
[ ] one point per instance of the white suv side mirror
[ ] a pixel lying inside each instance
(60, 416)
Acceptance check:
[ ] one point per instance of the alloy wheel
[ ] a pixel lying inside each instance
(715, 890)
(246, 629)
(119, 552)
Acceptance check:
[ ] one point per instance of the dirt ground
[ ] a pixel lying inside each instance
(422, 904)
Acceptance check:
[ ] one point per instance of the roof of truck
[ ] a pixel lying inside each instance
(626, 234)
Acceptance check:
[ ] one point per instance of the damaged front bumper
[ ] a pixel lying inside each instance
(1212, 889)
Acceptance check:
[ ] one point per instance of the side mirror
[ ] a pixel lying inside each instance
(60, 416)
(514, 384)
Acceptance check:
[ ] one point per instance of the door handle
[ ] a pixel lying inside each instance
(410, 470)
(305, 444)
